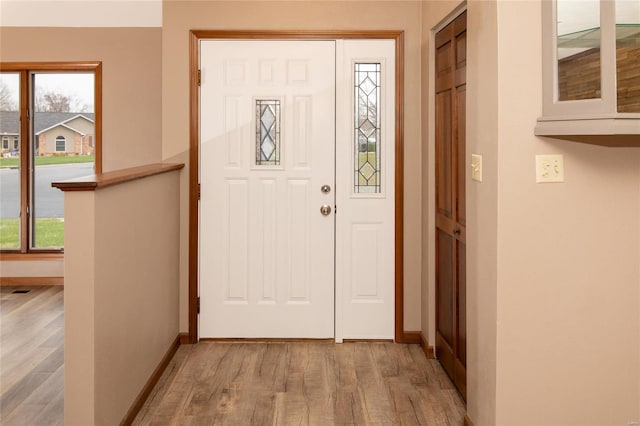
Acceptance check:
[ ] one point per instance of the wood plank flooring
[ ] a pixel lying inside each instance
(220, 383)
(31, 356)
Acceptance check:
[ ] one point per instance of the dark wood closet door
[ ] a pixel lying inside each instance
(451, 331)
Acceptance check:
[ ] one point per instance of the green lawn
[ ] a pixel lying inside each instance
(49, 233)
(44, 161)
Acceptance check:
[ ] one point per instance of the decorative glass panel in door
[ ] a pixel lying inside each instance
(267, 132)
(367, 128)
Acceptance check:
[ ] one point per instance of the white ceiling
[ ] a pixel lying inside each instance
(580, 15)
(81, 13)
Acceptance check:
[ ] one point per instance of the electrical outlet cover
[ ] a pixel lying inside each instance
(549, 168)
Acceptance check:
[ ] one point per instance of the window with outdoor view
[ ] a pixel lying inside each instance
(367, 128)
(50, 115)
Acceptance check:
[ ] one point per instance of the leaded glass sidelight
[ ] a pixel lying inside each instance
(367, 128)
(267, 132)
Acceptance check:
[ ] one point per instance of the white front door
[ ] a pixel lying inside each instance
(271, 116)
(267, 140)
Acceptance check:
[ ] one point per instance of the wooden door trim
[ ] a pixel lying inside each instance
(194, 113)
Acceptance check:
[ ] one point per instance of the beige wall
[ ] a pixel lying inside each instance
(131, 77)
(553, 277)
(482, 211)
(568, 272)
(33, 268)
(182, 16)
(79, 318)
(131, 93)
(121, 292)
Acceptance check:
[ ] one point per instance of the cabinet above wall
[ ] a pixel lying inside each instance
(591, 71)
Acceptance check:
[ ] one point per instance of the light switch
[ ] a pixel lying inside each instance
(476, 167)
(549, 168)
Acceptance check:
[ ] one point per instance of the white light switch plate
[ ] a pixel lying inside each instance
(549, 168)
(476, 167)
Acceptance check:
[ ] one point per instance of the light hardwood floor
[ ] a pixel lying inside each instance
(31, 356)
(229, 383)
(302, 384)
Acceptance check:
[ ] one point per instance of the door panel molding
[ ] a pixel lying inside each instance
(279, 284)
(365, 234)
(194, 113)
(450, 188)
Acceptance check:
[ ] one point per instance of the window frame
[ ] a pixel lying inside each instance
(25, 70)
(63, 140)
(595, 121)
(360, 190)
(592, 108)
(5, 142)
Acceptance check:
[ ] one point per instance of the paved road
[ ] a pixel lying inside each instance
(49, 201)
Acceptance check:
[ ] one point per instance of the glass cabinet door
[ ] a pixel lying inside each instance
(628, 55)
(578, 49)
(591, 71)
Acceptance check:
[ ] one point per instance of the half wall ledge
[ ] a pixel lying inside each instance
(103, 180)
(122, 287)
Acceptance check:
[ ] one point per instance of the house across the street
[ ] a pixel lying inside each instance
(57, 133)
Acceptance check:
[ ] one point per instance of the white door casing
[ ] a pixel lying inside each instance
(266, 266)
(266, 251)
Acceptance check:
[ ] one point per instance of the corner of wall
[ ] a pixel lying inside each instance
(482, 201)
